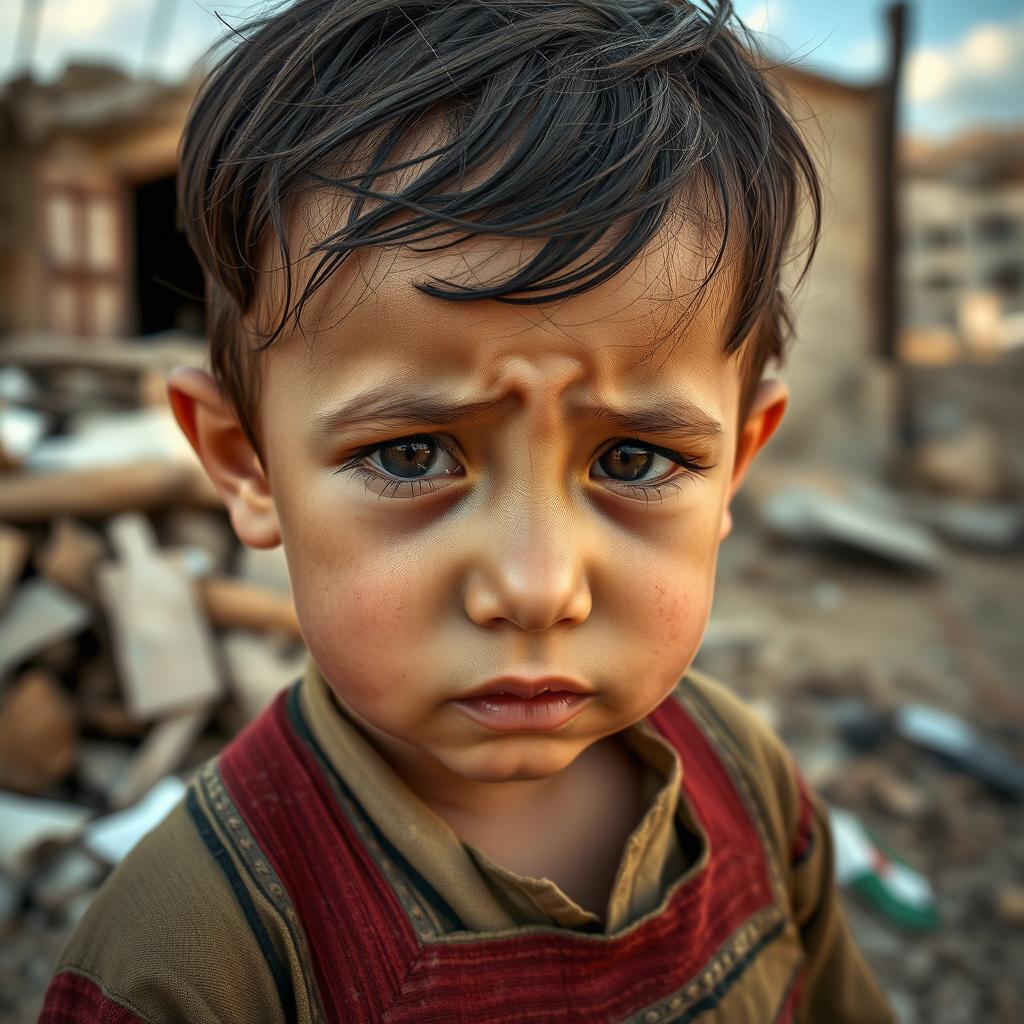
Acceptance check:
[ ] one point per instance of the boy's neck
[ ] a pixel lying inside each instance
(570, 827)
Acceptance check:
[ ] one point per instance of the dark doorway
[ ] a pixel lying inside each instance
(168, 280)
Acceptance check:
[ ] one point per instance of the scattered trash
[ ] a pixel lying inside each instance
(953, 740)
(890, 886)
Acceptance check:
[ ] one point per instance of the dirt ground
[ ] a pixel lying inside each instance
(803, 633)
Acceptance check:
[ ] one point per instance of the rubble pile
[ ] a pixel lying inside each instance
(136, 634)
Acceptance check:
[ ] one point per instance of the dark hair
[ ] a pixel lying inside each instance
(599, 118)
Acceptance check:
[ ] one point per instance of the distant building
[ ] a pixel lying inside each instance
(88, 244)
(963, 240)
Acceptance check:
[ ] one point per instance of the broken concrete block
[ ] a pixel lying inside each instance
(39, 614)
(806, 515)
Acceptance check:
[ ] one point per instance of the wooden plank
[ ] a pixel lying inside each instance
(101, 492)
(236, 604)
(70, 556)
(163, 649)
(126, 355)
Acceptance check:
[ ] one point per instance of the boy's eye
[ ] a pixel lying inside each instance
(627, 462)
(420, 463)
(409, 458)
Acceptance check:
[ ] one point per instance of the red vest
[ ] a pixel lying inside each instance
(356, 910)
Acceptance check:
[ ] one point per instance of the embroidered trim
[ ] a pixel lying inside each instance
(427, 911)
(710, 987)
(213, 800)
(285, 992)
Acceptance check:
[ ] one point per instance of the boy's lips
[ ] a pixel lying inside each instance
(520, 686)
(514, 703)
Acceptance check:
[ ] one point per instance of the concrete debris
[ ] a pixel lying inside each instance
(39, 614)
(112, 837)
(143, 435)
(953, 740)
(30, 825)
(805, 515)
(995, 527)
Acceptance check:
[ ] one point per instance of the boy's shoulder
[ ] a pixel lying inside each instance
(164, 935)
(751, 750)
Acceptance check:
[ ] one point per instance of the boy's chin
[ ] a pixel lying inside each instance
(512, 759)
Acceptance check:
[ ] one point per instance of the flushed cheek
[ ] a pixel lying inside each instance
(365, 623)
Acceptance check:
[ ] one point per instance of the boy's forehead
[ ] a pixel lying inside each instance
(648, 331)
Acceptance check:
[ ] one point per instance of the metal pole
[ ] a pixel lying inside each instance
(889, 234)
(28, 33)
(157, 34)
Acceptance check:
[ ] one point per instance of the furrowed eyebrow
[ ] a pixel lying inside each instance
(385, 405)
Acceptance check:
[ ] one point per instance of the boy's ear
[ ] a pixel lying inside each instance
(208, 421)
(766, 412)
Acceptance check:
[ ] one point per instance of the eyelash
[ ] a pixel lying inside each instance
(358, 466)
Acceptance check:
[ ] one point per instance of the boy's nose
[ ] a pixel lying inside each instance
(529, 569)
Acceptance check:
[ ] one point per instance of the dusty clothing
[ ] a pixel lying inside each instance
(301, 880)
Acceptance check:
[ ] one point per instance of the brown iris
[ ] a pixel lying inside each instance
(408, 457)
(626, 461)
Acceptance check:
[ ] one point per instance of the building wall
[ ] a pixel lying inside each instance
(839, 387)
(68, 261)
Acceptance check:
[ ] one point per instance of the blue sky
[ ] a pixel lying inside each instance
(965, 61)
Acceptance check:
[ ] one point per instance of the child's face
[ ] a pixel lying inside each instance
(523, 536)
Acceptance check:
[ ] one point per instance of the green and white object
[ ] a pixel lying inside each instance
(881, 879)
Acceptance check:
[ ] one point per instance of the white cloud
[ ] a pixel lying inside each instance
(989, 49)
(930, 73)
(985, 52)
(75, 19)
(762, 16)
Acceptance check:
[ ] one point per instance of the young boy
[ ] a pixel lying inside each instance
(491, 287)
